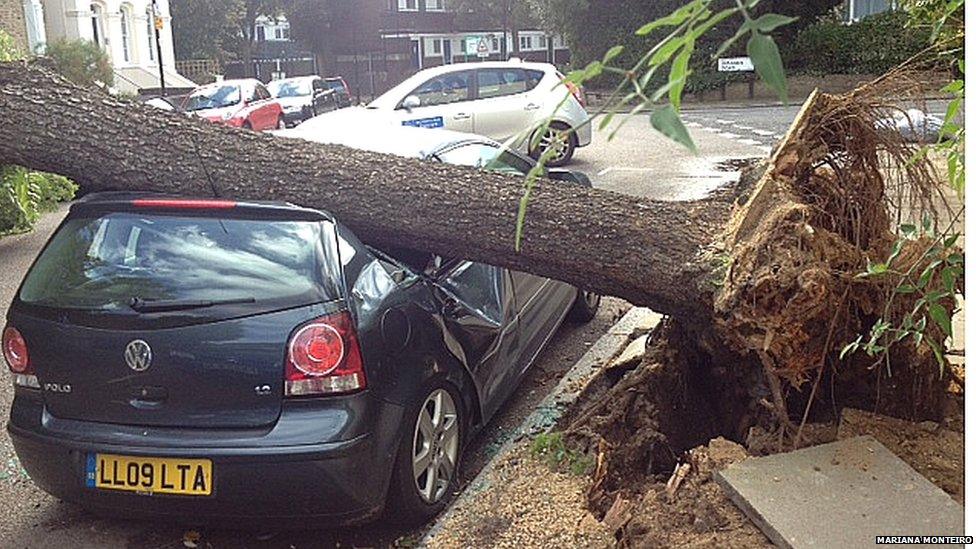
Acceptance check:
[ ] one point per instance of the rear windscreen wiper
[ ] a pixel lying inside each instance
(160, 305)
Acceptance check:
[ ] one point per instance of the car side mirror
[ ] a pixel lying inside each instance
(411, 102)
(570, 176)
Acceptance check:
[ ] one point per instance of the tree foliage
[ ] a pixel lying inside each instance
(81, 61)
(206, 29)
(507, 15)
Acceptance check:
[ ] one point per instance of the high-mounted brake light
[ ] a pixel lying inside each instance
(324, 358)
(184, 204)
(17, 357)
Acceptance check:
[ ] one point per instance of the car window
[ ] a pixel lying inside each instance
(336, 85)
(290, 88)
(250, 93)
(533, 78)
(501, 82)
(486, 157)
(260, 92)
(103, 262)
(214, 97)
(444, 89)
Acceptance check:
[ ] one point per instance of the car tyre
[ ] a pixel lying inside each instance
(424, 476)
(567, 149)
(247, 125)
(281, 125)
(585, 306)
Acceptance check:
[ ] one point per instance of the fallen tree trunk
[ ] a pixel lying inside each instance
(613, 244)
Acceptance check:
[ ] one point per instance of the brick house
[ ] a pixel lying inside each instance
(13, 21)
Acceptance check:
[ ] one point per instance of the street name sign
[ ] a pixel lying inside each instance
(735, 64)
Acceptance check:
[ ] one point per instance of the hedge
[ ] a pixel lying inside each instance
(871, 46)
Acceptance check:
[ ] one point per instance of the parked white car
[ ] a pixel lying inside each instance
(503, 101)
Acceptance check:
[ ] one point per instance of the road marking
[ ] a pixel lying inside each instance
(766, 149)
(711, 130)
(693, 124)
(747, 141)
(721, 121)
(764, 133)
(741, 127)
(729, 135)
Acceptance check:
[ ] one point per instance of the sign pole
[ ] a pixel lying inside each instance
(158, 25)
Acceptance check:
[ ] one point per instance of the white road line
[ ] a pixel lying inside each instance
(729, 135)
(748, 141)
(711, 130)
(721, 121)
(605, 171)
(741, 127)
(764, 133)
(692, 124)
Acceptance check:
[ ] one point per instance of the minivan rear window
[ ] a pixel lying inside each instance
(103, 263)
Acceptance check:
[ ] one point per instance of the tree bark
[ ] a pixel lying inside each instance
(645, 251)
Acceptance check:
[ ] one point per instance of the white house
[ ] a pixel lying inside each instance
(125, 29)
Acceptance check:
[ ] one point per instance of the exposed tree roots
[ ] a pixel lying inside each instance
(790, 297)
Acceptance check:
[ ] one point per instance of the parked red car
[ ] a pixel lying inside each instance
(244, 103)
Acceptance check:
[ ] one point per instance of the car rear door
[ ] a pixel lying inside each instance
(445, 102)
(267, 108)
(503, 106)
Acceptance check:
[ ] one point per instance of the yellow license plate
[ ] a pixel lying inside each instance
(149, 475)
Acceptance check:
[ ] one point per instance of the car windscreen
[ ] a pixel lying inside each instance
(216, 97)
(486, 157)
(107, 263)
(336, 85)
(290, 88)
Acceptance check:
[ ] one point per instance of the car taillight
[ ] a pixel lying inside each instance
(18, 359)
(577, 92)
(346, 86)
(324, 358)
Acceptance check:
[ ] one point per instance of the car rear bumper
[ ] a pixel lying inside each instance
(344, 482)
(295, 117)
(584, 135)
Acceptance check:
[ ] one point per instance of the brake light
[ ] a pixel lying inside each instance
(346, 86)
(184, 204)
(324, 358)
(17, 357)
(577, 92)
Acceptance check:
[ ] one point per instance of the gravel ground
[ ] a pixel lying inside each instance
(35, 520)
(526, 504)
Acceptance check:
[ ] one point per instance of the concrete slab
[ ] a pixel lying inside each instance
(841, 494)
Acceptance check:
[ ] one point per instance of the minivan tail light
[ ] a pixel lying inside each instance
(324, 358)
(18, 358)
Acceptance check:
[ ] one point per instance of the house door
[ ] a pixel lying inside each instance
(418, 58)
(448, 56)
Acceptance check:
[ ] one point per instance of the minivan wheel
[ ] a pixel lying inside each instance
(429, 455)
(585, 306)
(565, 148)
(281, 123)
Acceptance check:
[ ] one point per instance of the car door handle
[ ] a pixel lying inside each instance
(462, 116)
(532, 107)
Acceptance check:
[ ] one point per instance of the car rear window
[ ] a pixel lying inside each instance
(335, 85)
(104, 262)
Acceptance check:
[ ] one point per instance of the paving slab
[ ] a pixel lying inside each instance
(841, 494)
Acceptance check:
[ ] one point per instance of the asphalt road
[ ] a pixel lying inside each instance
(636, 161)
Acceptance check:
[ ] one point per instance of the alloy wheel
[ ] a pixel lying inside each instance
(436, 443)
(552, 139)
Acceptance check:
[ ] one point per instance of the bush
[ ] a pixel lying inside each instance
(8, 50)
(81, 61)
(872, 46)
(25, 194)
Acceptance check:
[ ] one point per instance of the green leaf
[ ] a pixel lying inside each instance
(908, 229)
(612, 53)
(592, 70)
(949, 276)
(769, 64)
(667, 121)
(679, 75)
(666, 50)
(677, 17)
(771, 21)
(905, 289)
(941, 317)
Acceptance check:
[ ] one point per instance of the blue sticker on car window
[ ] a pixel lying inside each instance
(433, 122)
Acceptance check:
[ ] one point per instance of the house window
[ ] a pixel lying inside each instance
(151, 34)
(282, 32)
(126, 34)
(542, 42)
(525, 42)
(259, 33)
(98, 33)
(859, 9)
(435, 5)
(407, 5)
(494, 43)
